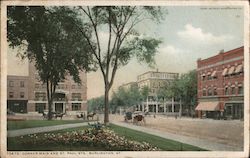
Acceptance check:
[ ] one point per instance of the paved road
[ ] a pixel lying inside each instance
(20, 132)
(205, 144)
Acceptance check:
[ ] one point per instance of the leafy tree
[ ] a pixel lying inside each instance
(96, 104)
(145, 92)
(184, 89)
(125, 97)
(51, 41)
(124, 41)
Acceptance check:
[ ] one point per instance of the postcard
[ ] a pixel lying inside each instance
(124, 78)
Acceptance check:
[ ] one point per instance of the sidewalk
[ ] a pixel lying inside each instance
(20, 132)
(205, 144)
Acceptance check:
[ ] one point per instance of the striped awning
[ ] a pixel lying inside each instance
(239, 68)
(224, 73)
(231, 70)
(208, 106)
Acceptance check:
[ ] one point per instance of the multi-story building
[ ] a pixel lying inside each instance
(70, 97)
(17, 93)
(155, 80)
(220, 85)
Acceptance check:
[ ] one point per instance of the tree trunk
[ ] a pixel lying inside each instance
(50, 109)
(106, 105)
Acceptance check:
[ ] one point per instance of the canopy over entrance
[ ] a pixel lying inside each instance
(208, 106)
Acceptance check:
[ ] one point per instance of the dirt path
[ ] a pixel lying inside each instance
(220, 131)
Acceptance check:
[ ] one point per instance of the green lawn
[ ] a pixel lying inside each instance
(12, 125)
(162, 143)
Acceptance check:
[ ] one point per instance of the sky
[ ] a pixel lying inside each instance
(187, 33)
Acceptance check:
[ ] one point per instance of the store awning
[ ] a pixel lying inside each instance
(213, 74)
(231, 70)
(239, 69)
(208, 106)
(224, 73)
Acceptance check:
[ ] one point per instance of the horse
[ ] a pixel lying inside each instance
(91, 115)
(59, 115)
(45, 116)
(139, 118)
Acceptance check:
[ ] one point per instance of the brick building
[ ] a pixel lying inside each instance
(17, 93)
(28, 94)
(220, 85)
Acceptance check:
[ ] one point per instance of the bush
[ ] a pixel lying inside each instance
(96, 135)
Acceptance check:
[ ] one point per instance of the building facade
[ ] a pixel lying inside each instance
(17, 93)
(156, 80)
(70, 97)
(221, 84)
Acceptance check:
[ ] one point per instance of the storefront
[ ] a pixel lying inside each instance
(17, 106)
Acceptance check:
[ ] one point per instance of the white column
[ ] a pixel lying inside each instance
(147, 104)
(180, 111)
(164, 105)
(142, 107)
(156, 108)
(172, 104)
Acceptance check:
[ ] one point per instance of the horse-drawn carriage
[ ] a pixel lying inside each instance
(53, 114)
(136, 117)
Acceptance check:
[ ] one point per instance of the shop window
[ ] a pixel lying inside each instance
(11, 94)
(76, 106)
(40, 107)
(21, 94)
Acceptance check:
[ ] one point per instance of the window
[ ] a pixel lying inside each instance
(40, 96)
(226, 91)
(73, 86)
(204, 92)
(233, 90)
(76, 96)
(11, 94)
(11, 83)
(209, 92)
(76, 106)
(215, 91)
(21, 83)
(240, 90)
(21, 94)
(209, 77)
(40, 107)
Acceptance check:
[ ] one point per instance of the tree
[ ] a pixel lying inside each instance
(125, 97)
(51, 41)
(184, 89)
(123, 43)
(96, 104)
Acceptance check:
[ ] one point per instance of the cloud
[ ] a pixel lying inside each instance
(197, 34)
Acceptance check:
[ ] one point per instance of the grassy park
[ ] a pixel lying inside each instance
(88, 138)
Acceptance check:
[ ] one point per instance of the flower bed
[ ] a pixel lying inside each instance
(98, 137)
